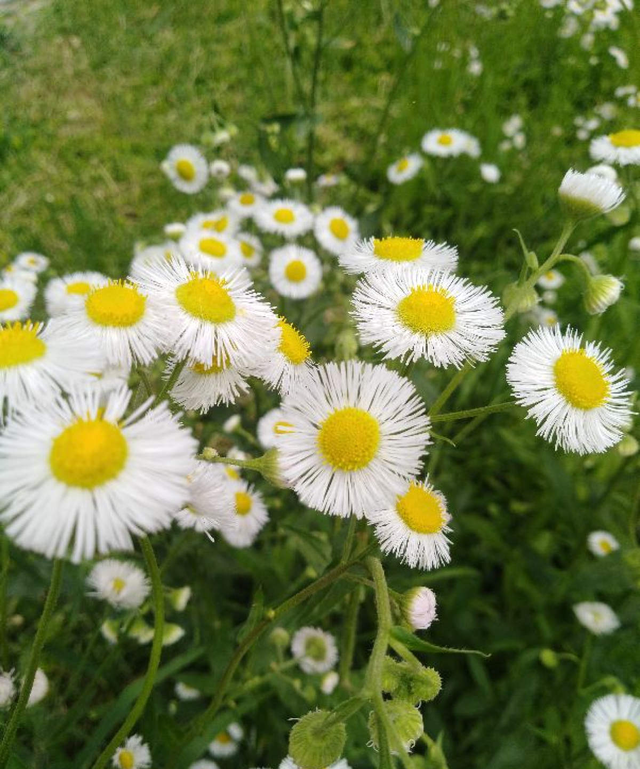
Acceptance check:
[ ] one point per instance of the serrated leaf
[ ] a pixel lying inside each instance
(416, 644)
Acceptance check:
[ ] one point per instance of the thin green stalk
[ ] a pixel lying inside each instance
(4, 577)
(154, 658)
(449, 389)
(453, 416)
(311, 112)
(348, 542)
(348, 640)
(168, 385)
(584, 661)
(282, 22)
(145, 381)
(32, 664)
(373, 675)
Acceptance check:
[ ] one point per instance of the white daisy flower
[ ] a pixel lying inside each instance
(121, 320)
(602, 291)
(335, 230)
(612, 724)
(62, 292)
(621, 148)
(200, 388)
(174, 230)
(490, 173)
(602, 543)
(179, 597)
(634, 244)
(222, 221)
(247, 173)
(134, 754)
(543, 316)
(419, 607)
(449, 143)
(289, 362)
(211, 501)
(284, 217)
(219, 169)
(120, 583)
(395, 252)
(295, 175)
(245, 204)
(25, 276)
(585, 195)
(39, 689)
(251, 249)
(329, 682)
(227, 742)
(172, 633)
(265, 187)
(186, 168)
(289, 763)
(621, 58)
(152, 256)
(76, 475)
(598, 618)
(551, 280)
(570, 390)
(357, 437)
(38, 361)
(16, 298)
(415, 528)
(31, 261)
(231, 424)
(404, 169)
(295, 271)
(210, 250)
(602, 169)
(417, 313)
(269, 426)
(186, 693)
(328, 180)
(210, 318)
(7, 688)
(314, 650)
(250, 516)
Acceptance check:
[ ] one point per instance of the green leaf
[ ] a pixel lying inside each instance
(416, 644)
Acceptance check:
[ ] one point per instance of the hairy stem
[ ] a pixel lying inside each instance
(168, 385)
(453, 416)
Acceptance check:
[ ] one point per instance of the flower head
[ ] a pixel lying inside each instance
(314, 650)
(16, 298)
(602, 543)
(284, 217)
(187, 168)
(598, 618)
(404, 169)
(295, 271)
(71, 289)
(121, 583)
(335, 230)
(397, 254)
(134, 754)
(613, 730)
(585, 195)
(621, 148)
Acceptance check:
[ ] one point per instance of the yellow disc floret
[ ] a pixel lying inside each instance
(398, 249)
(88, 453)
(284, 216)
(296, 271)
(20, 344)
(118, 304)
(8, 299)
(427, 310)
(219, 225)
(247, 199)
(625, 735)
(79, 287)
(118, 585)
(581, 380)
(445, 140)
(293, 345)
(247, 249)
(126, 759)
(243, 503)
(216, 367)
(205, 297)
(349, 439)
(186, 170)
(213, 247)
(339, 229)
(402, 165)
(628, 138)
(422, 510)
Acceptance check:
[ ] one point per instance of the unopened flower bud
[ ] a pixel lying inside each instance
(280, 637)
(179, 597)
(602, 291)
(585, 195)
(549, 658)
(346, 344)
(171, 633)
(410, 683)
(269, 465)
(315, 745)
(522, 298)
(628, 446)
(419, 607)
(329, 682)
(407, 721)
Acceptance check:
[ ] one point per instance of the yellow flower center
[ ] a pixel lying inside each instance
(8, 299)
(339, 229)
(284, 216)
(126, 758)
(213, 247)
(296, 271)
(550, 275)
(247, 199)
(186, 170)
(232, 473)
(402, 165)
(88, 453)
(427, 310)
(349, 439)
(605, 546)
(243, 503)
(206, 298)
(293, 345)
(247, 249)
(421, 510)
(580, 380)
(625, 735)
(118, 304)
(628, 138)
(79, 287)
(214, 368)
(219, 225)
(445, 140)
(223, 737)
(118, 585)
(398, 249)
(20, 344)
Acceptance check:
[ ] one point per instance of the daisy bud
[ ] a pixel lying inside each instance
(269, 465)
(280, 637)
(406, 719)
(142, 632)
(231, 424)
(314, 744)
(549, 658)
(329, 682)
(602, 291)
(171, 634)
(410, 683)
(109, 630)
(522, 298)
(628, 446)
(586, 195)
(419, 607)
(179, 597)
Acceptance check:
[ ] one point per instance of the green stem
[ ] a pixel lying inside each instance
(373, 675)
(145, 381)
(312, 101)
(32, 664)
(348, 542)
(585, 271)
(168, 385)
(584, 661)
(4, 577)
(453, 416)
(348, 641)
(449, 389)
(154, 657)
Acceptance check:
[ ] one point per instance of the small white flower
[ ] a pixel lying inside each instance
(612, 724)
(585, 195)
(419, 607)
(314, 650)
(7, 688)
(329, 682)
(231, 425)
(220, 221)
(174, 230)
(227, 742)
(602, 543)
(295, 271)
(621, 58)
(621, 148)
(552, 279)
(179, 597)
(398, 253)
(251, 249)
(186, 168)
(265, 187)
(204, 763)
(268, 428)
(519, 141)
(16, 298)
(295, 175)
(634, 244)
(514, 124)
(121, 583)
(328, 180)
(490, 173)
(284, 217)
(598, 618)
(290, 361)
(185, 692)
(602, 291)
(449, 142)
(210, 503)
(209, 250)
(152, 256)
(40, 688)
(404, 169)
(31, 261)
(219, 169)
(247, 173)
(171, 633)
(335, 230)
(250, 515)
(200, 388)
(245, 204)
(134, 754)
(543, 316)
(604, 170)
(63, 292)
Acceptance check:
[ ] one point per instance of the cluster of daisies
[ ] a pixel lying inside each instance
(588, 17)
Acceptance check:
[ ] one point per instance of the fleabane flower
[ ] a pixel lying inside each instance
(598, 618)
(269, 427)
(335, 230)
(16, 298)
(551, 280)
(151, 256)
(290, 361)
(284, 217)
(221, 220)
(570, 389)
(586, 195)
(419, 607)
(226, 743)
(449, 142)
(621, 148)
(245, 204)
(185, 692)
(39, 361)
(120, 583)
(187, 168)
(415, 527)
(250, 248)
(39, 689)
(356, 437)
(134, 754)
(30, 260)
(211, 318)
(63, 292)
(7, 688)
(77, 478)
(490, 173)
(315, 650)
(612, 724)
(404, 169)
(295, 271)
(398, 253)
(211, 500)
(250, 515)
(601, 543)
(417, 313)
(602, 291)
(199, 387)
(120, 320)
(209, 250)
